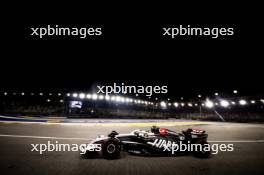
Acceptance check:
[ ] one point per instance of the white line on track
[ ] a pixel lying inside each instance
(42, 137)
(236, 141)
(75, 138)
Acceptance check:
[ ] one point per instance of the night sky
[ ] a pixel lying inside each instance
(132, 49)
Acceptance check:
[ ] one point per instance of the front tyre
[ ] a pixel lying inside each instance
(111, 149)
(90, 154)
(203, 153)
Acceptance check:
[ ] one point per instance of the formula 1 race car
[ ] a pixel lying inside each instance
(156, 142)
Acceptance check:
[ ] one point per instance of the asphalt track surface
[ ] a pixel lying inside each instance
(16, 156)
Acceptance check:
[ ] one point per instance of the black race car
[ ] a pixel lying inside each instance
(156, 142)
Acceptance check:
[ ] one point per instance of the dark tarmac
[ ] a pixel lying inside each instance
(16, 156)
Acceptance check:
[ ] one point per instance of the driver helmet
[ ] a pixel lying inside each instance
(154, 129)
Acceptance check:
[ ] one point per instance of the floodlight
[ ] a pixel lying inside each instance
(253, 101)
(163, 104)
(242, 102)
(82, 95)
(118, 98)
(209, 104)
(107, 97)
(199, 96)
(122, 99)
(94, 96)
(176, 104)
(101, 97)
(113, 98)
(42, 94)
(190, 104)
(233, 103)
(224, 103)
(182, 104)
(59, 94)
(88, 96)
(169, 104)
(68, 94)
(216, 94)
(235, 91)
(75, 95)
(22, 93)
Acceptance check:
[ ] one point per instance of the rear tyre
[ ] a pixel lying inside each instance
(111, 149)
